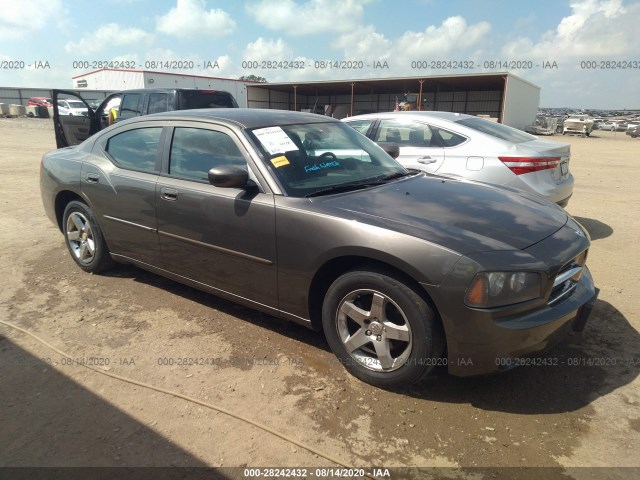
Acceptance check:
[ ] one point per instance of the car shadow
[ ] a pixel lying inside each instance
(582, 368)
(227, 307)
(49, 420)
(596, 228)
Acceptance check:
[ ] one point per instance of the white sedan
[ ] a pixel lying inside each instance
(473, 148)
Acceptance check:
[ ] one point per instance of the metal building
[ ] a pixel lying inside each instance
(500, 96)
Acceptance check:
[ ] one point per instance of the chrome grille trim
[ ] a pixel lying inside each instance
(566, 275)
(567, 279)
(563, 292)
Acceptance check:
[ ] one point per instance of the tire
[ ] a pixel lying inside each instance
(362, 309)
(84, 238)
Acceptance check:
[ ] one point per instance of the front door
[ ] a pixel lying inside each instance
(220, 237)
(419, 148)
(72, 129)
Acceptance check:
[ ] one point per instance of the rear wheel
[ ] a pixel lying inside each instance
(381, 330)
(84, 238)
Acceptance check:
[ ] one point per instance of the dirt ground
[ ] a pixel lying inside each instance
(582, 413)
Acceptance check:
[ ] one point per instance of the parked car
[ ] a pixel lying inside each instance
(613, 126)
(72, 107)
(473, 148)
(633, 131)
(128, 104)
(40, 102)
(299, 216)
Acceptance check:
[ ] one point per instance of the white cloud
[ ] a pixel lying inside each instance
(109, 36)
(225, 67)
(594, 28)
(189, 18)
(363, 42)
(267, 49)
(311, 17)
(454, 38)
(20, 18)
(453, 35)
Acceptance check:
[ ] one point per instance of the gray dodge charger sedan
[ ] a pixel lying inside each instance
(300, 216)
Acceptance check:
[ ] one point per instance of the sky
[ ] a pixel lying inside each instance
(582, 53)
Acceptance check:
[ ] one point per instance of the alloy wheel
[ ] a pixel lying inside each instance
(374, 330)
(80, 237)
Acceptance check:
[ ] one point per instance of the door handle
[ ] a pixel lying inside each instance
(168, 194)
(426, 160)
(93, 177)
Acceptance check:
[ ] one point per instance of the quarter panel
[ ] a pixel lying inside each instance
(308, 239)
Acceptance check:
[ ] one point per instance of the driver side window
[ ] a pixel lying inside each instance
(195, 151)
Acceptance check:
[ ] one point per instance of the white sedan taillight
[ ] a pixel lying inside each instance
(521, 165)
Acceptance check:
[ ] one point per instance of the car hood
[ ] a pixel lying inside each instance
(464, 216)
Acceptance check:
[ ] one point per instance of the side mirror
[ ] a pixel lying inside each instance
(228, 176)
(392, 150)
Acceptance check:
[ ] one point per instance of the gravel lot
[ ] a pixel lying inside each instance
(585, 411)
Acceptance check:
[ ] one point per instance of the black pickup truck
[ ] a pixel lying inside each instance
(74, 129)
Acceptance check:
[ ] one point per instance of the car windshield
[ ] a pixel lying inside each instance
(496, 130)
(76, 104)
(317, 158)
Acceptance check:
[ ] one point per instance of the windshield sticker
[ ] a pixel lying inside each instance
(275, 140)
(279, 161)
(316, 166)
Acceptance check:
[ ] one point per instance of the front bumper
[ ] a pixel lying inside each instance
(497, 344)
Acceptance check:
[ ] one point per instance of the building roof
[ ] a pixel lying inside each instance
(160, 73)
(468, 81)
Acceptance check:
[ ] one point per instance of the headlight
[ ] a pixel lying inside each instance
(497, 289)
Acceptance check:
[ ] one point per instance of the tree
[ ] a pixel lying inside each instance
(253, 78)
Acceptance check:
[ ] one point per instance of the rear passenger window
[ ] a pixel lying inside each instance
(131, 106)
(195, 151)
(449, 139)
(135, 149)
(158, 102)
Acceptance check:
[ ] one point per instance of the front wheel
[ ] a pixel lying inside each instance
(84, 238)
(381, 330)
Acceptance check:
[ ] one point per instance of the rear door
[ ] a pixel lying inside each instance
(72, 129)
(120, 182)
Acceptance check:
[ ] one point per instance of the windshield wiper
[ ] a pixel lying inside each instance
(346, 187)
(393, 176)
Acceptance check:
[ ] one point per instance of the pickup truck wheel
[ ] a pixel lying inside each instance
(84, 238)
(381, 330)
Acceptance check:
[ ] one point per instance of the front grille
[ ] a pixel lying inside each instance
(567, 278)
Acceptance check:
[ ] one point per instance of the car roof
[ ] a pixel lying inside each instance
(242, 117)
(414, 115)
(171, 90)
